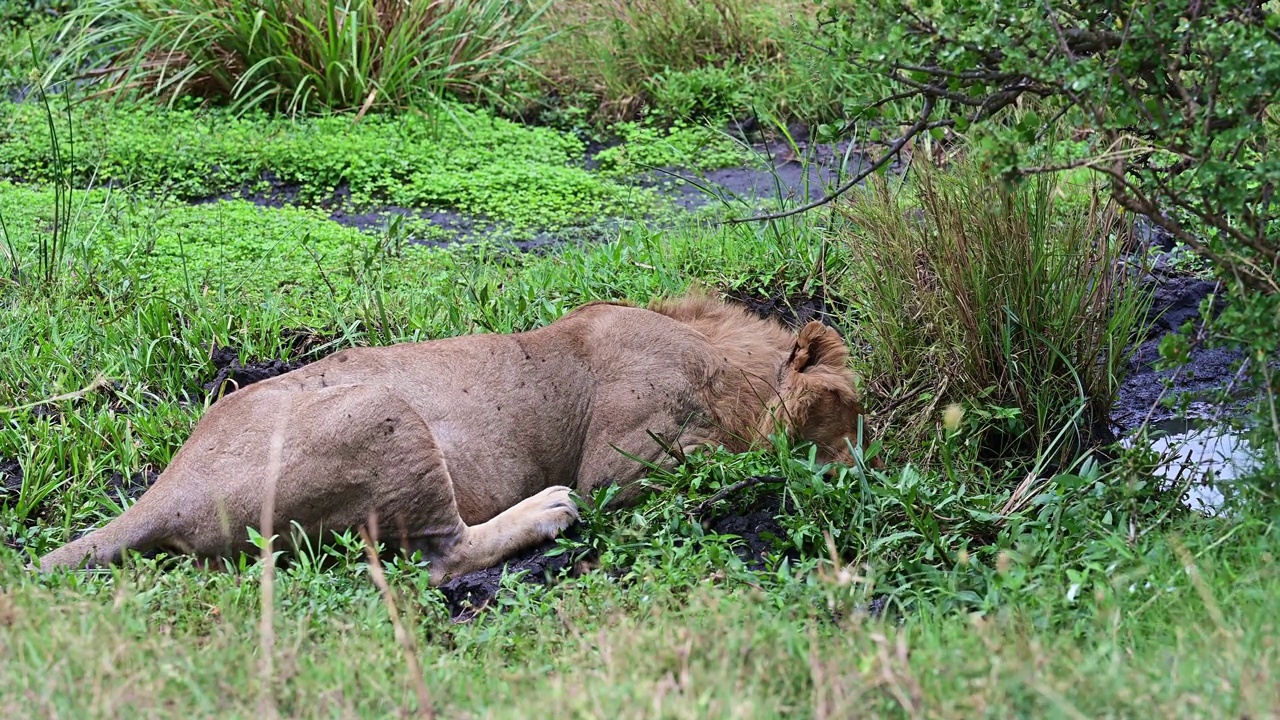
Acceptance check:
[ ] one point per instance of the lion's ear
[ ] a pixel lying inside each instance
(818, 345)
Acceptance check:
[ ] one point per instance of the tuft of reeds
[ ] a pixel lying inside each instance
(300, 56)
(992, 296)
(616, 50)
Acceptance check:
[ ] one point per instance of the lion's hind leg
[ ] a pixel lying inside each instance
(380, 458)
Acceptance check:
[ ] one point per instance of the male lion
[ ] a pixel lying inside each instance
(469, 446)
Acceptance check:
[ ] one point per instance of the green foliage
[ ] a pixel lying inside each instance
(973, 293)
(1171, 105)
(31, 12)
(1163, 622)
(1174, 102)
(626, 54)
(693, 61)
(298, 56)
(479, 164)
(679, 145)
(705, 94)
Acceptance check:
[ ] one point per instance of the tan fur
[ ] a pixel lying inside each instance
(467, 448)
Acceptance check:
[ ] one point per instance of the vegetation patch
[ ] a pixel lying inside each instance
(296, 56)
(990, 553)
(996, 299)
(485, 167)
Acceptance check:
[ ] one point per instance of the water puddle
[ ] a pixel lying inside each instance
(1204, 459)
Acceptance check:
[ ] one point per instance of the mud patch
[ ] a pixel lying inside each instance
(10, 477)
(799, 173)
(232, 374)
(132, 487)
(468, 594)
(756, 522)
(754, 519)
(792, 310)
(1176, 300)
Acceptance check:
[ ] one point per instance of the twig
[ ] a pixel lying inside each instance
(98, 382)
(884, 159)
(731, 489)
(405, 639)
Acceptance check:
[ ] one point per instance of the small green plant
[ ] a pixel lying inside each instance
(704, 95)
(298, 56)
(973, 292)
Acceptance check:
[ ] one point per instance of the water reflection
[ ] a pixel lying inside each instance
(1202, 458)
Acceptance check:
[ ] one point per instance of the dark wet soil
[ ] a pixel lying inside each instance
(756, 522)
(753, 520)
(793, 310)
(10, 477)
(232, 374)
(131, 487)
(1176, 300)
(782, 173)
(468, 594)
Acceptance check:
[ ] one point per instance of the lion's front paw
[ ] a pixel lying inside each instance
(552, 510)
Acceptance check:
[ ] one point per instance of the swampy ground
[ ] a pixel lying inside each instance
(204, 250)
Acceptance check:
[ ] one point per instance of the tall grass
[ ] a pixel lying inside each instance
(995, 298)
(617, 50)
(300, 56)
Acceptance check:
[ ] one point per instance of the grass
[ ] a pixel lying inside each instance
(704, 61)
(1078, 590)
(1148, 637)
(997, 299)
(297, 57)
(1082, 581)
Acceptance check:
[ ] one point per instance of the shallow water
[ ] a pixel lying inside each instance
(1203, 458)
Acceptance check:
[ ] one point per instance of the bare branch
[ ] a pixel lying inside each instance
(894, 149)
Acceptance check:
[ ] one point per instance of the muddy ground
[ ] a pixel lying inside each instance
(754, 521)
(1177, 300)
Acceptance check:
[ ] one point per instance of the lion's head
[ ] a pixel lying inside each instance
(817, 396)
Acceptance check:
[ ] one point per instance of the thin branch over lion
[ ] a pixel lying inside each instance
(469, 446)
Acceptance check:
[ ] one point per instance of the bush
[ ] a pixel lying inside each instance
(1173, 102)
(974, 293)
(300, 56)
(1172, 105)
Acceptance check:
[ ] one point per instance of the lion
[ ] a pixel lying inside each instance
(472, 446)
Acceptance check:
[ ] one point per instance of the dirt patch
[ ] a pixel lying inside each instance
(792, 310)
(232, 374)
(131, 487)
(756, 522)
(754, 519)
